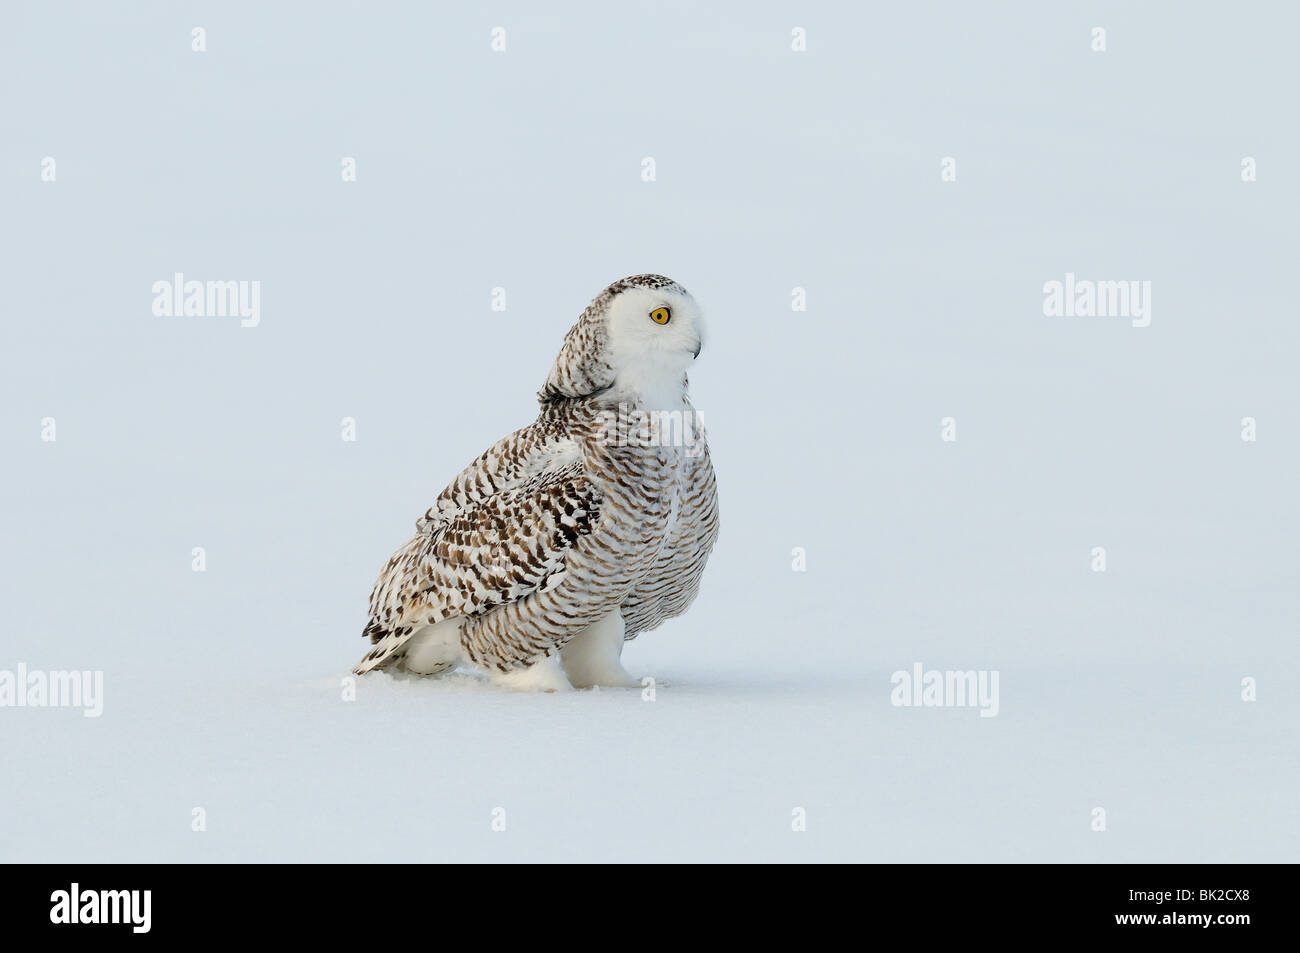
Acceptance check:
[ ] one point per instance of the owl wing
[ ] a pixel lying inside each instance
(499, 532)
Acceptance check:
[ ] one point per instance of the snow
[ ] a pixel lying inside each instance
(713, 767)
(223, 690)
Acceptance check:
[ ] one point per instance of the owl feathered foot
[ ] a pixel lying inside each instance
(591, 657)
(435, 649)
(544, 676)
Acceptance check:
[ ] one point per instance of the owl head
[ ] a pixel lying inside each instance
(640, 333)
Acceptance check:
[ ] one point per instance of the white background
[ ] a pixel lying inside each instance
(775, 169)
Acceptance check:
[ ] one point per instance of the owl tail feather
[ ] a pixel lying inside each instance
(387, 650)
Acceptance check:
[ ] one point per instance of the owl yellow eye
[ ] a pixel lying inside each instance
(660, 316)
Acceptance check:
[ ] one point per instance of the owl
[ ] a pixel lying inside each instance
(584, 529)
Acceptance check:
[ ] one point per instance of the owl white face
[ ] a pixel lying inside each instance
(634, 341)
(653, 332)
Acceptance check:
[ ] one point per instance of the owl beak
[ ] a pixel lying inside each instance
(699, 346)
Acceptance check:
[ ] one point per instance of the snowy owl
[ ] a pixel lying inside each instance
(583, 529)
